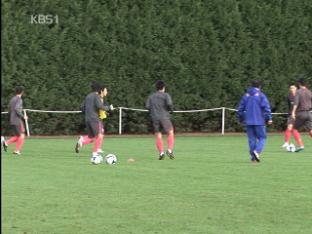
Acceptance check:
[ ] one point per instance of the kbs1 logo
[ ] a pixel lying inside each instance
(44, 19)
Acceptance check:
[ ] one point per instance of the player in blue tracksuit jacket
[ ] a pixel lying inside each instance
(255, 112)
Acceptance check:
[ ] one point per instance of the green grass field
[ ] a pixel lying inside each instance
(211, 187)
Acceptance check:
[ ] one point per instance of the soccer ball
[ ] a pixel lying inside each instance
(96, 159)
(111, 159)
(291, 148)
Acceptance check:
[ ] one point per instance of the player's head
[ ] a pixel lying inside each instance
(96, 86)
(256, 84)
(103, 91)
(160, 85)
(301, 82)
(19, 90)
(292, 88)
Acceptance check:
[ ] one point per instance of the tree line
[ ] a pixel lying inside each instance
(207, 52)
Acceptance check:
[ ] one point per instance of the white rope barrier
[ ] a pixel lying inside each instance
(141, 110)
(45, 111)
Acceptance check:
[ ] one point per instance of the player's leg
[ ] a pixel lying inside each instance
(100, 151)
(252, 142)
(168, 127)
(299, 122)
(15, 137)
(4, 144)
(170, 143)
(20, 140)
(160, 145)
(261, 136)
(288, 132)
(85, 139)
(309, 124)
(158, 139)
(99, 137)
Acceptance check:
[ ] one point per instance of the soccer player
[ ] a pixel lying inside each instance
(290, 121)
(254, 111)
(301, 111)
(159, 104)
(91, 108)
(17, 119)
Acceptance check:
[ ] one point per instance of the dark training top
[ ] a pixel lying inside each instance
(15, 110)
(91, 106)
(159, 104)
(303, 100)
(291, 102)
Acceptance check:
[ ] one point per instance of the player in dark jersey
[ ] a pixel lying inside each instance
(159, 104)
(301, 111)
(290, 121)
(17, 119)
(91, 107)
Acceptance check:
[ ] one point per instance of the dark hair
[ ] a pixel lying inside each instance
(159, 84)
(96, 86)
(256, 83)
(301, 82)
(19, 89)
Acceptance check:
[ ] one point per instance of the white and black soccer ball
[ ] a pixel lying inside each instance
(96, 159)
(291, 148)
(111, 159)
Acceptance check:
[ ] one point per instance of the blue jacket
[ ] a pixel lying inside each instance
(254, 108)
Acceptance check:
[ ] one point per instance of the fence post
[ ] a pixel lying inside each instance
(120, 120)
(26, 124)
(223, 120)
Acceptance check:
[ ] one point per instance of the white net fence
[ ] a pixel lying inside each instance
(223, 112)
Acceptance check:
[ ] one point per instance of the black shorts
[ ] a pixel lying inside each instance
(162, 124)
(94, 128)
(290, 120)
(303, 119)
(18, 129)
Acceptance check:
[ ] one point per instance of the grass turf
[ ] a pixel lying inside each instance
(211, 187)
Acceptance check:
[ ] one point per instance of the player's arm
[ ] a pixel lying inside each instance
(100, 105)
(169, 103)
(148, 103)
(83, 107)
(18, 108)
(296, 102)
(265, 104)
(241, 109)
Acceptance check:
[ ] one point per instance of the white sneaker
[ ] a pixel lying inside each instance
(257, 155)
(80, 141)
(4, 144)
(286, 144)
(17, 152)
(79, 144)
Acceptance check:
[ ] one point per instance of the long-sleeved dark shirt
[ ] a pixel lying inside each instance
(91, 106)
(291, 102)
(303, 100)
(16, 110)
(159, 104)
